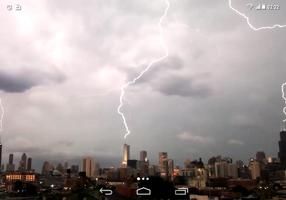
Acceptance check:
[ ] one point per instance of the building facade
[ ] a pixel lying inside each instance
(282, 148)
(88, 167)
(126, 154)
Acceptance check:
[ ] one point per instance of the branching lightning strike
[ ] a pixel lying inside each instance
(283, 88)
(2, 111)
(258, 29)
(147, 68)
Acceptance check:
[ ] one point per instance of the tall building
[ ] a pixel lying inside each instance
(74, 169)
(225, 168)
(96, 168)
(132, 164)
(282, 148)
(66, 166)
(239, 164)
(60, 168)
(29, 165)
(88, 167)
(0, 152)
(170, 167)
(261, 157)
(221, 169)
(255, 170)
(11, 158)
(47, 168)
(23, 163)
(126, 154)
(143, 164)
(232, 170)
(163, 163)
(143, 156)
(10, 167)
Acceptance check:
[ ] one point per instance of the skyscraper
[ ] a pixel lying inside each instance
(261, 157)
(29, 166)
(10, 166)
(221, 169)
(143, 156)
(60, 168)
(282, 148)
(0, 155)
(170, 167)
(74, 169)
(47, 168)
(126, 154)
(23, 163)
(66, 166)
(255, 170)
(88, 167)
(11, 158)
(163, 163)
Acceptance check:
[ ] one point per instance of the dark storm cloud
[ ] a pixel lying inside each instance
(165, 77)
(31, 149)
(184, 87)
(26, 148)
(12, 83)
(26, 79)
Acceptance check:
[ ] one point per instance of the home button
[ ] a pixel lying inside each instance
(143, 191)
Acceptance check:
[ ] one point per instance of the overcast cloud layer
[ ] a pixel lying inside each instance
(218, 92)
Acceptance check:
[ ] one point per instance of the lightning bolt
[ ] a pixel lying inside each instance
(2, 115)
(284, 98)
(258, 29)
(147, 68)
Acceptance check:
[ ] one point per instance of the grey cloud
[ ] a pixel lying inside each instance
(14, 83)
(24, 149)
(235, 142)
(166, 77)
(66, 143)
(25, 79)
(20, 144)
(187, 136)
(184, 87)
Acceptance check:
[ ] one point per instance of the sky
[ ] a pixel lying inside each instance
(62, 64)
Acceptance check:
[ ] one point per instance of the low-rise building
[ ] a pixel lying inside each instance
(10, 178)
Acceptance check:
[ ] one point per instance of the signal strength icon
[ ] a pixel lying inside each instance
(263, 7)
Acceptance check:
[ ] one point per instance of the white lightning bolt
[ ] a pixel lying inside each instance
(147, 68)
(258, 29)
(248, 22)
(1, 115)
(284, 98)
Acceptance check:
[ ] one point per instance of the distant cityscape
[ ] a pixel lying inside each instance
(220, 177)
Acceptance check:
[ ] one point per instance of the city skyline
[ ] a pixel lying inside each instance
(89, 163)
(218, 92)
(261, 176)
